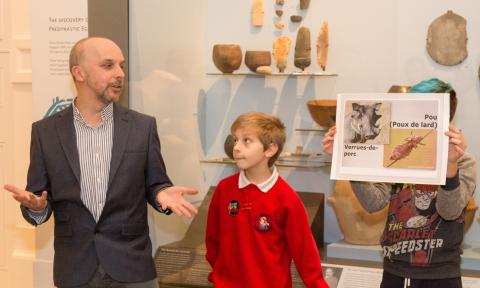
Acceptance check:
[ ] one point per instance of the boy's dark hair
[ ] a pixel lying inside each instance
(270, 130)
(435, 85)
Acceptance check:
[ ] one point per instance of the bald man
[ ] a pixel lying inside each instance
(96, 165)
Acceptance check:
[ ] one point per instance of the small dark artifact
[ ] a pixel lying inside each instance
(296, 18)
(304, 4)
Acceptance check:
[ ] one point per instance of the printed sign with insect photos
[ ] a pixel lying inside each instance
(391, 137)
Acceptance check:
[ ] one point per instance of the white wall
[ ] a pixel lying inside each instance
(17, 244)
(373, 44)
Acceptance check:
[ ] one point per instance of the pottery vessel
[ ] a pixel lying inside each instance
(358, 226)
(323, 111)
(228, 146)
(227, 57)
(470, 214)
(255, 59)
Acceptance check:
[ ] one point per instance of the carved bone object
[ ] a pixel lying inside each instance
(257, 13)
(281, 47)
(322, 46)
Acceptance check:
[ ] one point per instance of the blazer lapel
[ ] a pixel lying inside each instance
(68, 140)
(121, 129)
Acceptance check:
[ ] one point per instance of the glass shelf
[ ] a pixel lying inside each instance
(292, 161)
(324, 74)
(319, 129)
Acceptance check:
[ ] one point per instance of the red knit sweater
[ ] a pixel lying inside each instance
(252, 237)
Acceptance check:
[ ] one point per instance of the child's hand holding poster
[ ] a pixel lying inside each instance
(391, 137)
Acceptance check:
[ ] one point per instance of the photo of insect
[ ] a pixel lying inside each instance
(404, 149)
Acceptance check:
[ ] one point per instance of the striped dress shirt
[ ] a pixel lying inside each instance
(95, 152)
(94, 147)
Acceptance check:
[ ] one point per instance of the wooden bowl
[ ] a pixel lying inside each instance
(323, 111)
(398, 89)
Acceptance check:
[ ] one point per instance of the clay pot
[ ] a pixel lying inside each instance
(323, 111)
(227, 57)
(228, 146)
(470, 214)
(358, 226)
(255, 59)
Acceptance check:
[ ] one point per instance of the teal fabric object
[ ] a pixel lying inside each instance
(433, 85)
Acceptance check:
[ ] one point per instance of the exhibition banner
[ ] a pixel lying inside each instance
(391, 137)
(56, 26)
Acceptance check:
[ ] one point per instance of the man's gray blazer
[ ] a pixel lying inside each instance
(120, 240)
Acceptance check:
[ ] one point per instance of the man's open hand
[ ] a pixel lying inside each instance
(28, 199)
(172, 197)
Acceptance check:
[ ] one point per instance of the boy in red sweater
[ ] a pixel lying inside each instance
(256, 222)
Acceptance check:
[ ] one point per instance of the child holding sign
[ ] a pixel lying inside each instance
(424, 229)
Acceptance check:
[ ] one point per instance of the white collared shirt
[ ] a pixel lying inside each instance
(264, 186)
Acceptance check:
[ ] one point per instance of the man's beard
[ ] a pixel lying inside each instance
(107, 98)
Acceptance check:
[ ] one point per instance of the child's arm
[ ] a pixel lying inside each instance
(453, 197)
(372, 196)
(212, 234)
(302, 245)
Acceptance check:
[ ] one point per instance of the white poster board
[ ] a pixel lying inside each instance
(391, 137)
(56, 26)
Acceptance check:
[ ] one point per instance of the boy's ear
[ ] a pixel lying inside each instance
(271, 150)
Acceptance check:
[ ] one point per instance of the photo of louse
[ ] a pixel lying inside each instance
(411, 148)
